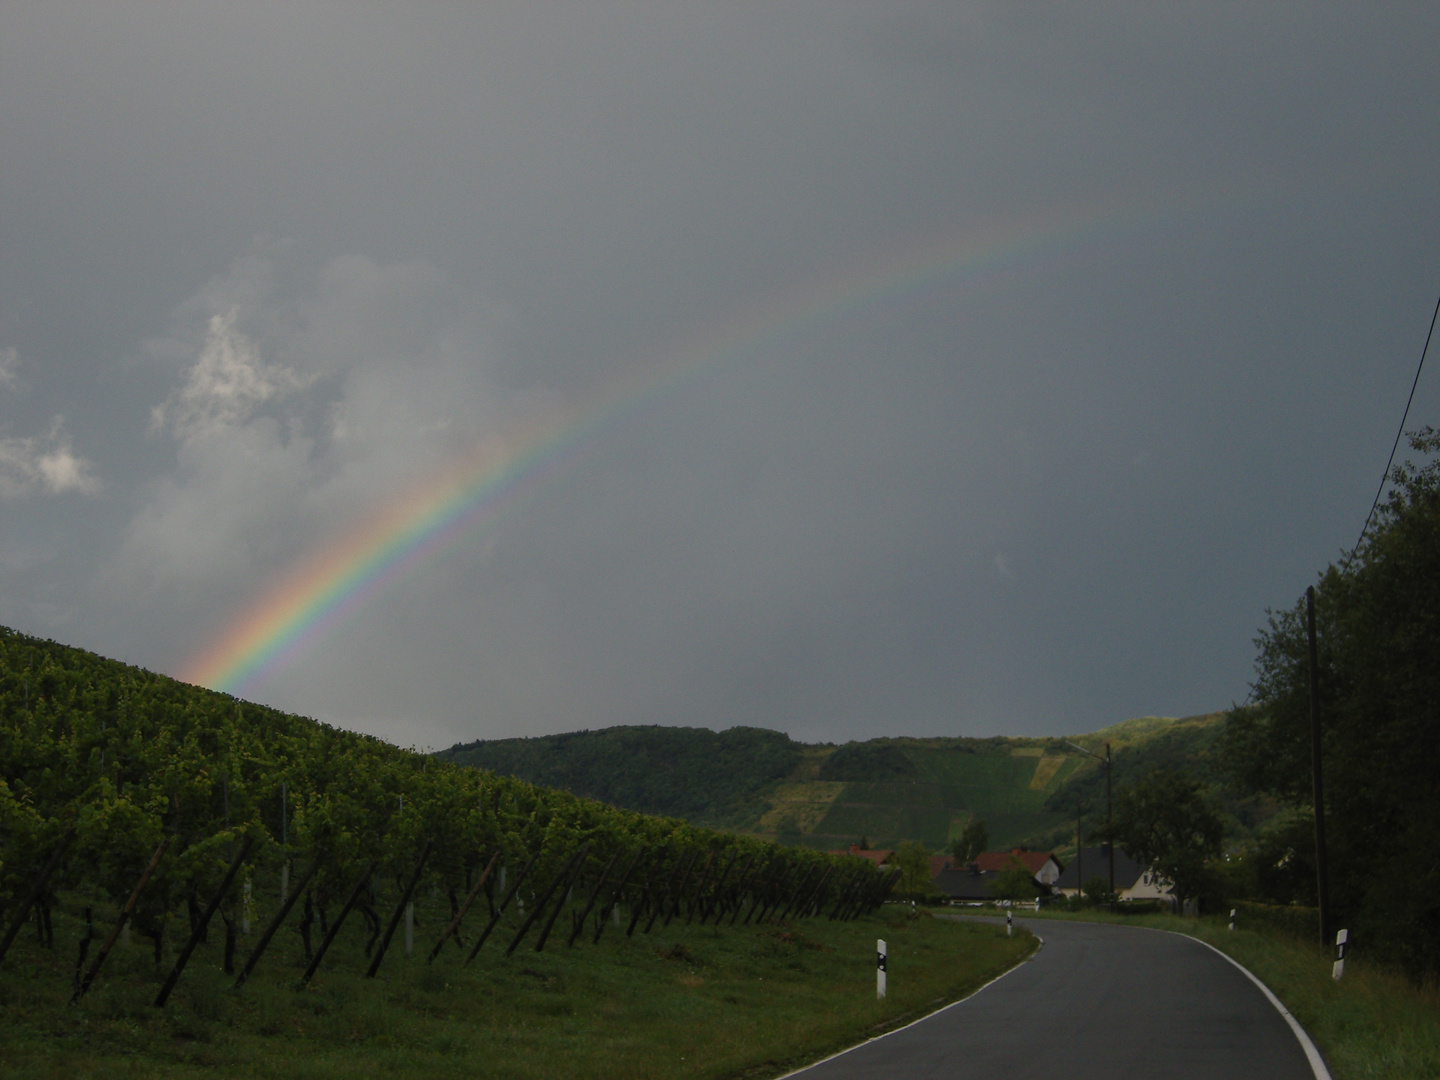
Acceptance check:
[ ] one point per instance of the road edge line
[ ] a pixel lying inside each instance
(1312, 1052)
(920, 1019)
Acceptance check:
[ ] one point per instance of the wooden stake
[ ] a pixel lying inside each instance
(613, 908)
(36, 888)
(199, 930)
(399, 910)
(275, 923)
(540, 904)
(504, 903)
(335, 926)
(674, 908)
(594, 895)
(455, 922)
(125, 914)
(644, 901)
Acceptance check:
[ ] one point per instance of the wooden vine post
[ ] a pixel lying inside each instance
(455, 922)
(504, 903)
(335, 926)
(125, 914)
(400, 909)
(549, 892)
(614, 904)
(594, 895)
(671, 901)
(36, 888)
(198, 931)
(276, 922)
(644, 901)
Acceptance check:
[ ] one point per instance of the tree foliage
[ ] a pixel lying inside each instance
(971, 842)
(1167, 823)
(1014, 882)
(913, 861)
(876, 760)
(1378, 627)
(707, 777)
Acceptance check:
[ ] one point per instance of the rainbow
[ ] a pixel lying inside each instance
(482, 486)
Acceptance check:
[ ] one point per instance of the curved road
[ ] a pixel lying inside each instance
(1097, 1001)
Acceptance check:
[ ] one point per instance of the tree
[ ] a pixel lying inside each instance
(1168, 824)
(1378, 626)
(1097, 890)
(1014, 882)
(974, 840)
(913, 860)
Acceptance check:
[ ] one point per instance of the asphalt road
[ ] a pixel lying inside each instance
(1097, 1001)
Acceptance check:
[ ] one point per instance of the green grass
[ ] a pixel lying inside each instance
(702, 1002)
(1372, 1025)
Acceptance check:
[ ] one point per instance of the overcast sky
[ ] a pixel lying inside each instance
(1012, 359)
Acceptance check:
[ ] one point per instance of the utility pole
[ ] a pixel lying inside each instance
(1321, 878)
(1109, 807)
(1110, 821)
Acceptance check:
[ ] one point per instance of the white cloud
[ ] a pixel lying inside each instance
(225, 386)
(310, 403)
(9, 368)
(47, 461)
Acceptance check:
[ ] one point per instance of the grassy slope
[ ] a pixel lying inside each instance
(1372, 1025)
(685, 1001)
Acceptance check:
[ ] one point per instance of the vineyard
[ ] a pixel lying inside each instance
(132, 804)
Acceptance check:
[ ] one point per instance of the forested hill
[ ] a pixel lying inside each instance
(883, 790)
(707, 777)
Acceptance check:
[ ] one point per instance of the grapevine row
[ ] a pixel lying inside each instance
(131, 791)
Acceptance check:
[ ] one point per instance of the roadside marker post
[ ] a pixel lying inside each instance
(879, 968)
(1341, 940)
(1232, 918)
(1009, 923)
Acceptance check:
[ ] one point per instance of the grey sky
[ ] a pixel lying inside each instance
(266, 267)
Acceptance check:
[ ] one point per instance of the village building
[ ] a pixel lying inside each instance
(1133, 881)
(971, 883)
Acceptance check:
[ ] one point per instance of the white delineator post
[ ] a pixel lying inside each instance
(879, 968)
(1009, 923)
(1232, 918)
(1341, 939)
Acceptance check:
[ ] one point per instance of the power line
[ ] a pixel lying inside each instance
(1385, 476)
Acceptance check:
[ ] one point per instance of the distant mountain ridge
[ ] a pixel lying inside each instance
(763, 783)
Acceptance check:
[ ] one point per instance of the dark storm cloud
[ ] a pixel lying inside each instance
(272, 263)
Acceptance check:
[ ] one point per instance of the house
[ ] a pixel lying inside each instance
(1132, 880)
(1044, 867)
(972, 882)
(964, 883)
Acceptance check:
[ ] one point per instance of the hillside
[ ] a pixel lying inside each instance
(883, 790)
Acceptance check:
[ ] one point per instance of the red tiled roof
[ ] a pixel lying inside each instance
(994, 861)
(875, 855)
